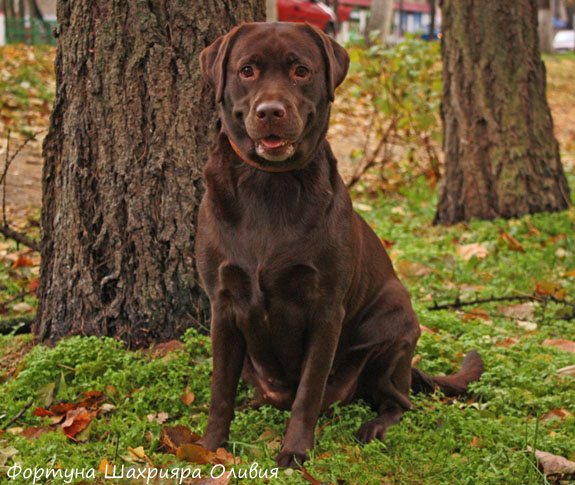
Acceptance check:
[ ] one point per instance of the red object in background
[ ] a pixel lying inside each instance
(312, 11)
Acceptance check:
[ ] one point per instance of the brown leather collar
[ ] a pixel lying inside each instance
(250, 162)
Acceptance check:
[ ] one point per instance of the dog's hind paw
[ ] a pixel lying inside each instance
(291, 459)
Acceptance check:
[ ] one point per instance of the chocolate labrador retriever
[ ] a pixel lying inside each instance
(305, 303)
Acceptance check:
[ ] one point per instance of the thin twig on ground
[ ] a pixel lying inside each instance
(18, 416)
(540, 298)
(5, 228)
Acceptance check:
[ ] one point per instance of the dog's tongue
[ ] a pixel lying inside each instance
(272, 142)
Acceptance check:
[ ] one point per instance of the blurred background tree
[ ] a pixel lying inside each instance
(501, 156)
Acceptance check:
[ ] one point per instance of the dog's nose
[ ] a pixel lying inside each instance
(269, 110)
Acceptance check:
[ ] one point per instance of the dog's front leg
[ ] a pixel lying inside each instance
(320, 351)
(228, 350)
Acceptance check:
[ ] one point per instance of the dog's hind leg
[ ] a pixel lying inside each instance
(386, 382)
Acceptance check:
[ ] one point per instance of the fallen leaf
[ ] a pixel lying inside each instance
(41, 412)
(411, 269)
(555, 239)
(172, 437)
(105, 467)
(474, 442)
(33, 432)
(533, 231)
(76, 420)
(195, 454)
(224, 457)
(159, 418)
(22, 307)
(425, 329)
(526, 325)
(22, 261)
(561, 253)
(508, 342)
(522, 311)
(137, 452)
(560, 414)
(387, 243)
(568, 345)
(362, 207)
(467, 251)
(308, 477)
(553, 464)
(548, 288)
(187, 398)
(478, 314)
(511, 242)
(164, 348)
(6, 454)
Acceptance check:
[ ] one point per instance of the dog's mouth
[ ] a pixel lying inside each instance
(274, 148)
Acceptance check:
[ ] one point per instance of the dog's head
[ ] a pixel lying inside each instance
(274, 83)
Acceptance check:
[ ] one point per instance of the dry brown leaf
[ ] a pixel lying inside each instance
(224, 457)
(508, 342)
(195, 454)
(560, 414)
(568, 345)
(549, 288)
(77, 420)
(33, 432)
(172, 437)
(164, 348)
(533, 231)
(522, 311)
(467, 251)
(411, 269)
(553, 464)
(511, 242)
(475, 442)
(187, 397)
(308, 477)
(478, 314)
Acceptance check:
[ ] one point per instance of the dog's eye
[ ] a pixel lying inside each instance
(247, 72)
(301, 71)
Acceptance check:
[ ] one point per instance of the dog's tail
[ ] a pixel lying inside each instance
(451, 385)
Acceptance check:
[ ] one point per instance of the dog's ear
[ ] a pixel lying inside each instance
(214, 60)
(336, 59)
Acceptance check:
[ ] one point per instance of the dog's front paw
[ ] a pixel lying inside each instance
(209, 443)
(372, 430)
(291, 459)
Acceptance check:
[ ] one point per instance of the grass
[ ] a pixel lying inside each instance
(476, 441)
(480, 440)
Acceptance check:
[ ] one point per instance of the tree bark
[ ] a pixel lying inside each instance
(380, 18)
(501, 158)
(130, 131)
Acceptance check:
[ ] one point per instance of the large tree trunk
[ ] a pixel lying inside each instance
(129, 133)
(501, 158)
(380, 18)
